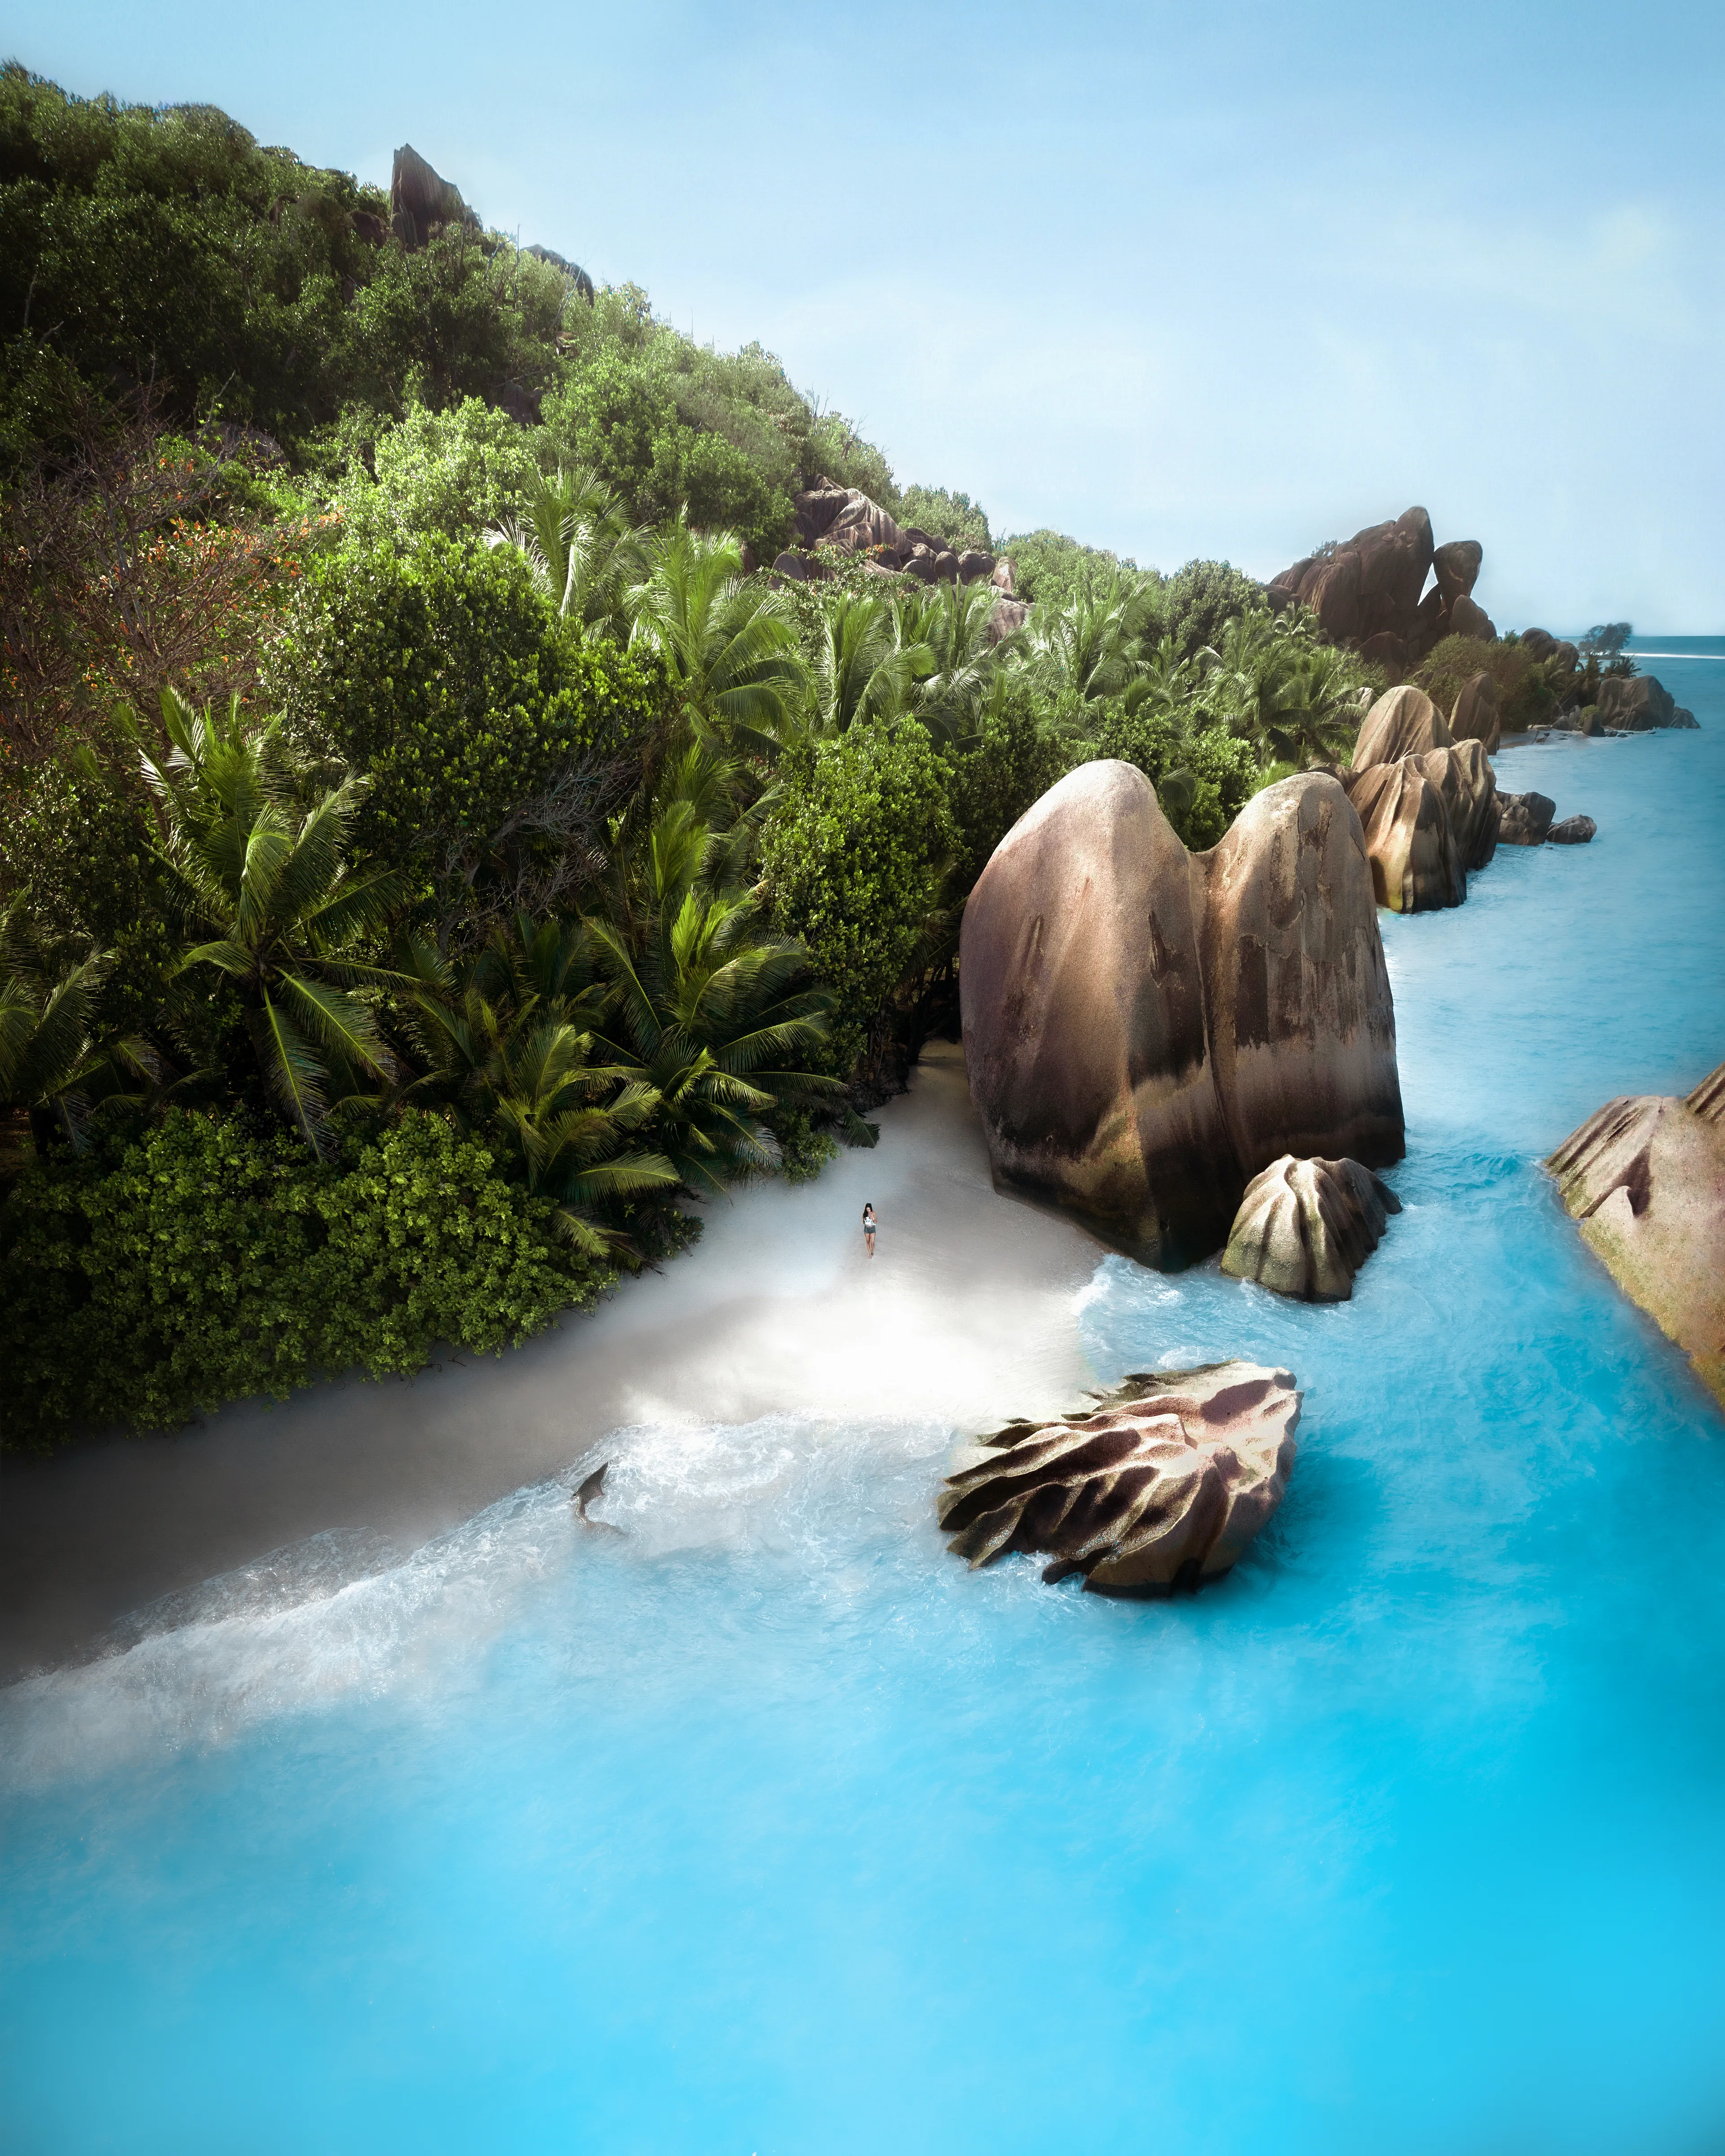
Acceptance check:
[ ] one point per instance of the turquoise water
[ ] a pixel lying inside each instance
(771, 1830)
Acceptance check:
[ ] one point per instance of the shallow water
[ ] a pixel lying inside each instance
(765, 1826)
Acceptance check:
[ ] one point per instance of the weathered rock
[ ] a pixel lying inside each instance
(1637, 703)
(1683, 716)
(945, 566)
(795, 566)
(1645, 1179)
(1468, 788)
(1002, 577)
(421, 201)
(1476, 715)
(368, 226)
(1386, 649)
(1403, 721)
(975, 568)
(1007, 617)
(1372, 581)
(1467, 619)
(1145, 1030)
(920, 562)
(1416, 865)
(1568, 654)
(1573, 831)
(1456, 566)
(1526, 818)
(1162, 1487)
(1540, 642)
(1305, 1227)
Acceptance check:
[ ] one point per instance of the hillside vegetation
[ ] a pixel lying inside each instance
(435, 849)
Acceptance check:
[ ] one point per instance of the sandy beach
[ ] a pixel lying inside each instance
(965, 1314)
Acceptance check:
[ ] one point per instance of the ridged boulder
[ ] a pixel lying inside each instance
(1573, 831)
(1526, 818)
(1416, 866)
(1403, 722)
(1144, 1029)
(1639, 704)
(1645, 1179)
(1476, 715)
(1163, 1486)
(1305, 1227)
(1467, 786)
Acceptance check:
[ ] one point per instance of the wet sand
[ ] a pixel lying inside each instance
(967, 1313)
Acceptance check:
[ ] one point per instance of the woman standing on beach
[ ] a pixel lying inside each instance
(869, 1230)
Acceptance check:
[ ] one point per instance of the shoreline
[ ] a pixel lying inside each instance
(965, 1314)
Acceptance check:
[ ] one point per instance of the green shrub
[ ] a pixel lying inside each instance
(450, 472)
(1528, 689)
(1010, 762)
(1195, 604)
(150, 1281)
(450, 680)
(857, 856)
(954, 517)
(1203, 776)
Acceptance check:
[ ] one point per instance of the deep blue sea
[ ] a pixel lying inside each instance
(805, 1841)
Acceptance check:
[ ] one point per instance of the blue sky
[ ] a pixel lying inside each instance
(1223, 279)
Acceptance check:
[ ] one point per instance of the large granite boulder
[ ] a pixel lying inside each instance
(976, 568)
(421, 201)
(1403, 721)
(1638, 703)
(1573, 831)
(1002, 577)
(1144, 1029)
(1645, 1179)
(1456, 566)
(1305, 1227)
(1416, 865)
(1467, 786)
(1477, 715)
(1370, 582)
(843, 517)
(1526, 818)
(1469, 618)
(1161, 1487)
(1007, 617)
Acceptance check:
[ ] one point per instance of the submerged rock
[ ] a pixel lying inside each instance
(1145, 1029)
(1526, 818)
(1162, 1486)
(1305, 1227)
(1573, 831)
(1645, 1178)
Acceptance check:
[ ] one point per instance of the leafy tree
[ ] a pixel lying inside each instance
(1052, 569)
(1606, 639)
(1014, 755)
(955, 518)
(1194, 606)
(1203, 776)
(1088, 648)
(272, 904)
(448, 472)
(726, 646)
(857, 859)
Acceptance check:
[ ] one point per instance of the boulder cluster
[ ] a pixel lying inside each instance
(844, 519)
(1145, 1030)
(1645, 1179)
(1369, 591)
(1159, 1488)
(1428, 801)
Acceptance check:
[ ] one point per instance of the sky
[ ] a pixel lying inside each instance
(1221, 280)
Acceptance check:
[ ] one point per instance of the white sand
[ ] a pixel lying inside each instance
(966, 1314)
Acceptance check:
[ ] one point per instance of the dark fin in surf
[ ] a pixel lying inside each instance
(594, 1486)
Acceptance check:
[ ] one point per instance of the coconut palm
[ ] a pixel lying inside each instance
(508, 1041)
(711, 1010)
(950, 622)
(1270, 683)
(869, 660)
(730, 650)
(1088, 648)
(267, 898)
(584, 553)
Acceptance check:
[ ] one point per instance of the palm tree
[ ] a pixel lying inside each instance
(1270, 683)
(580, 546)
(1088, 647)
(273, 905)
(53, 1063)
(508, 1041)
(871, 658)
(730, 650)
(709, 1010)
(950, 622)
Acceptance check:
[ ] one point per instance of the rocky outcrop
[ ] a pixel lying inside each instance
(1162, 1487)
(1008, 617)
(1639, 703)
(1526, 818)
(421, 201)
(1476, 715)
(1645, 1179)
(1573, 831)
(1145, 1029)
(1305, 1227)
(1416, 866)
(1427, 805)
(1544, 645)
(844, 518)
(1367, 591)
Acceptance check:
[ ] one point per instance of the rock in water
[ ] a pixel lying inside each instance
(1645, 1179)
(1573, 831)
(1416, 866)
(1162, 1486)
(1144, 1029)
(1467, 787)
(1526, 818)
(1637, 703)
(1305, 1227)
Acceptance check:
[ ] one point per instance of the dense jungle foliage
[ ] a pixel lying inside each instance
(433, 853)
